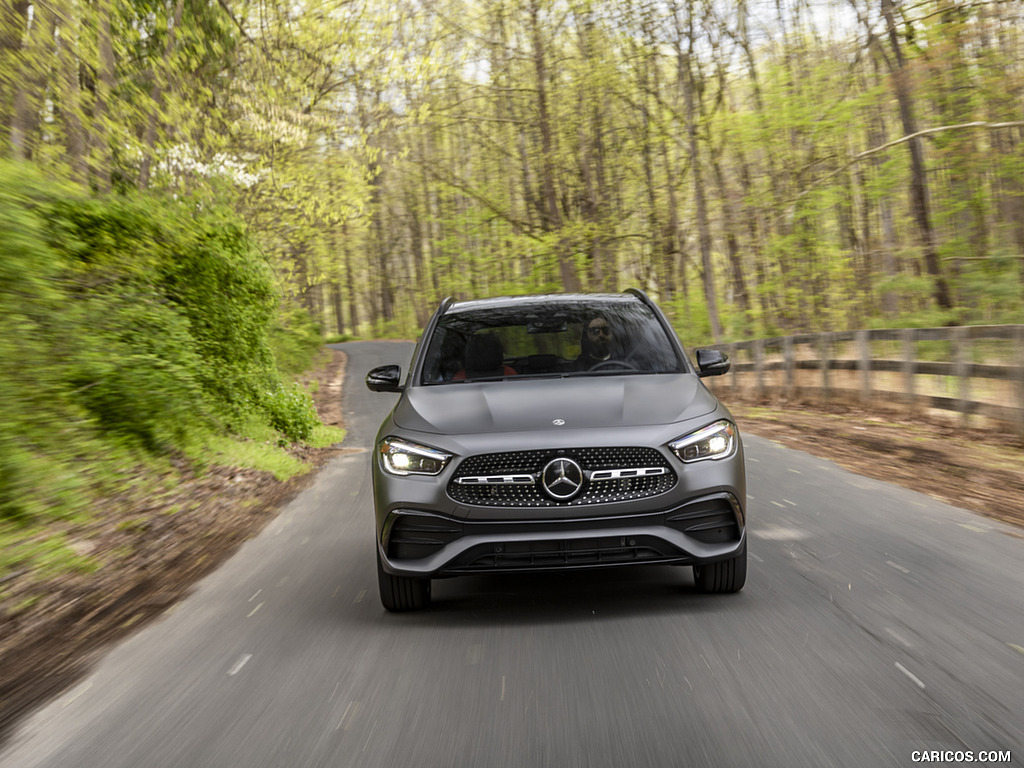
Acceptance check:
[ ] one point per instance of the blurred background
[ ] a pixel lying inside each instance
(761, 168)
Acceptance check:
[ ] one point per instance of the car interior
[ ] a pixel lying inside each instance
(467, 348)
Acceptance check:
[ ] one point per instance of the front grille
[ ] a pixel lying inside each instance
(512, 479)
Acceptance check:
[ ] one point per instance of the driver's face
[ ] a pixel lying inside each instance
(599, 334)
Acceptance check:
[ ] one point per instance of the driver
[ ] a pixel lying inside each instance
(596, 343)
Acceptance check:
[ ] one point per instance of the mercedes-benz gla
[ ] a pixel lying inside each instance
(550, 433)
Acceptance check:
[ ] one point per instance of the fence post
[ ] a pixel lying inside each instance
(787, 356)
(864, 347)
(759, 372)
(824, 358)
(962, 366)
(909, 336)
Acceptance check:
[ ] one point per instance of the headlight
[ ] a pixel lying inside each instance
(402, 458)
(716, 441)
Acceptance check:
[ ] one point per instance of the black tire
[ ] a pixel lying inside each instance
(723, 576)
(401, 593)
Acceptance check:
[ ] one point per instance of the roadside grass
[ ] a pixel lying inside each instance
(260, 447)
(40, 550)
(324, 436)
(83, 482)
(264, 455)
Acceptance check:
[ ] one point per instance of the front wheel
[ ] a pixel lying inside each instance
(724, 576)
(401, 593)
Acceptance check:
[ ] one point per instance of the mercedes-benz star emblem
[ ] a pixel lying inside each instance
(558, 422)
(562, 478)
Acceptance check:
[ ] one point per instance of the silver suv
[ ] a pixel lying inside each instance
(562, 432)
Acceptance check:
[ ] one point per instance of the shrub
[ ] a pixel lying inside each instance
(291, 411)
(129, 320)
(137, 372)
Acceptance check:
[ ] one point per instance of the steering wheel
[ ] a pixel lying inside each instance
(621, 364)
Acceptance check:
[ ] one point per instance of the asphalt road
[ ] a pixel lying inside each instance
(875, 623)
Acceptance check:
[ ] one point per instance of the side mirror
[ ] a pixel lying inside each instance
(385, 378)
(712, 362)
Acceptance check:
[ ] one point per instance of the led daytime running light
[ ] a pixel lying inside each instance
(399, 457)
(716, 441)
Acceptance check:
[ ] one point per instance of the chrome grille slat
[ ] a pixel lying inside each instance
(496, 480)
(618, 474)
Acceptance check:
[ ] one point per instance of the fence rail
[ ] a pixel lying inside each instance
(974, 371)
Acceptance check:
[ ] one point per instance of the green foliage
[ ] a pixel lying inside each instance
(993, 287)
(173, 306)
(294, 341)
(290, 410)
(225, 290)
(136, 370)
(34, 399)
(390, 329)
(136, 327)
(690, 320)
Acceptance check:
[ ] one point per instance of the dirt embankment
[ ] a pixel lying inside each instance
(976, 469)
(152, 552)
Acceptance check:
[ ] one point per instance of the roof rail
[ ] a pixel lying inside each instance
(640, 295)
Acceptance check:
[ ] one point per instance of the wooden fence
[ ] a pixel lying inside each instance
(974, 371)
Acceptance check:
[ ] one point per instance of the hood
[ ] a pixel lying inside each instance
(533, 404)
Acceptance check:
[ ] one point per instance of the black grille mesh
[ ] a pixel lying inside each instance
(532, 462)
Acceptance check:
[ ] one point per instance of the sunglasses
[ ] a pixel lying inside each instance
(603, 330)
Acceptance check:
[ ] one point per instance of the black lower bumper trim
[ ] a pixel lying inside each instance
(561, 554)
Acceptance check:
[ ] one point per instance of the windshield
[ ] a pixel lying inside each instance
(548, 339)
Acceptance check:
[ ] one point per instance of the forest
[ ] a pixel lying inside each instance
(759, 167)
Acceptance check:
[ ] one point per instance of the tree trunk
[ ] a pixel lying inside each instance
(31, 80)
(959, 150)
(918, 179)
(732, 242)
(70, 96)
(552, 213)
(337, 307)
(101, 118)
(688, 82)
(658, 261)
(885, 243)
(350, 281)
(13, 25)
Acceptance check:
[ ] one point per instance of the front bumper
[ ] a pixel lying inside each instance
(423, 544)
